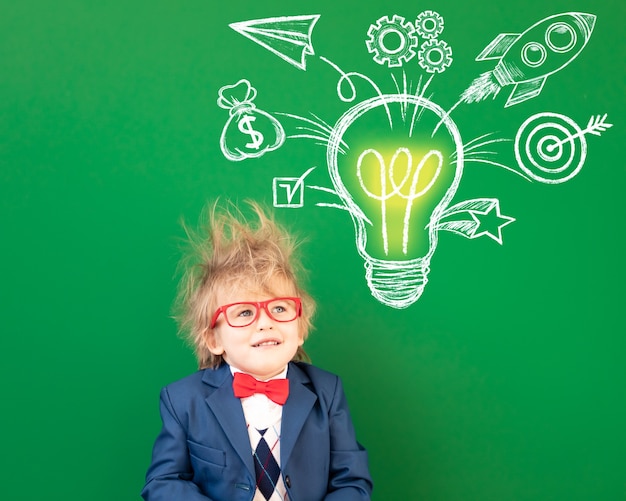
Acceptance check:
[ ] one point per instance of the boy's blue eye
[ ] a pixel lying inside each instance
(245, 313)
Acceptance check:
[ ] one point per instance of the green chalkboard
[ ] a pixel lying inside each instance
(478, 326)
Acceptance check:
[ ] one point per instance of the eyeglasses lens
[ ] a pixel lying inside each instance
(243, 314)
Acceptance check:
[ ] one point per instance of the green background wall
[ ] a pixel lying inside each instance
(505, 381)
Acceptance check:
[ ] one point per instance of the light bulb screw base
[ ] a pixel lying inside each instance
(398, 284)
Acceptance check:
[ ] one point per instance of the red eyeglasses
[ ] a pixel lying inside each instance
(281, 309)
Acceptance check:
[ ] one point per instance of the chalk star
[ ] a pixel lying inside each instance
(491, 222)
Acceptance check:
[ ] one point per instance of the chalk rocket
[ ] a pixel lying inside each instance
(529, 58)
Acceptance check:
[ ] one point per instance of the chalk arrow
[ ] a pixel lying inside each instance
(287, 37)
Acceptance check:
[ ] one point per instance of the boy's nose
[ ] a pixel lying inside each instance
(264, 321)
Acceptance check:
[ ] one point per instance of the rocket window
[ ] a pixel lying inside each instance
(533, 54)
(560, 37)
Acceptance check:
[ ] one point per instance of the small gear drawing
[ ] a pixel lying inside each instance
(392, 41)
(429, 24)
(435, 56)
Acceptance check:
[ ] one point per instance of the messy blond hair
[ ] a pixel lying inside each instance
(229, 252)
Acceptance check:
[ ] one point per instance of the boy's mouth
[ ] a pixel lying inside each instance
(266, 342)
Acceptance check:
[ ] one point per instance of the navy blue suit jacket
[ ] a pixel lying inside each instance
(203, 451)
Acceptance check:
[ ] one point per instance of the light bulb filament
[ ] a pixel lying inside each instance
(386, 177)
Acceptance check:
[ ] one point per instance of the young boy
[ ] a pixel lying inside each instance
(256, 422)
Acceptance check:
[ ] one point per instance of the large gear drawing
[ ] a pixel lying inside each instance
(429, 24)
(404, 41)
(435, 56)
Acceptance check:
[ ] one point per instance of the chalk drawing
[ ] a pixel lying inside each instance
(288, 37)
(249, 132)
(429, 24)
(435, 56)
(485, 219)
(289, 191)
(395, 158)
(526, 60)
(392, 41)
(398, 190)
(551, 148)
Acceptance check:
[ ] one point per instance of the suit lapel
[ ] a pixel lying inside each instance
(295, 411)
(228, 412)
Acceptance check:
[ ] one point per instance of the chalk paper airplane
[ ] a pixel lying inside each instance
(287, 37)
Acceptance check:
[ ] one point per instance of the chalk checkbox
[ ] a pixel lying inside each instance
(288, 192)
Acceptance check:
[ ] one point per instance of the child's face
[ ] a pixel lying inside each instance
(262, 349)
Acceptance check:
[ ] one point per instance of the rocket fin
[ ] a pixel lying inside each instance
(526, 90)
(499, 46)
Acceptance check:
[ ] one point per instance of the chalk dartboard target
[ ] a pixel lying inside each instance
(550, 148)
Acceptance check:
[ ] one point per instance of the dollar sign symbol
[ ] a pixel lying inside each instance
(245, 126)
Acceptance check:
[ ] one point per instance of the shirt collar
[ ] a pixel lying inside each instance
(280, 375)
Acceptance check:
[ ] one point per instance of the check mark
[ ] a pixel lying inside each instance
(294, 185)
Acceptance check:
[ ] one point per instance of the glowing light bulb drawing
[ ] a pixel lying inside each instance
(396, 184)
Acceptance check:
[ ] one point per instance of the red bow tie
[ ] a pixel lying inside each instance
(277, 390)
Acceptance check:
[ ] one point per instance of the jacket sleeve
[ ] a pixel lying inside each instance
(170, 473)
(349, 472)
